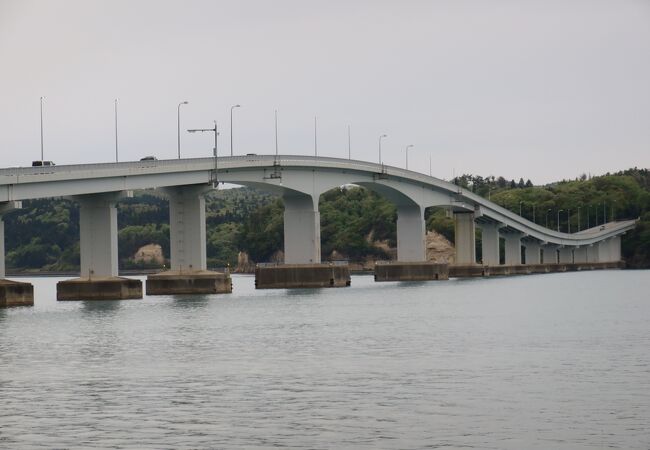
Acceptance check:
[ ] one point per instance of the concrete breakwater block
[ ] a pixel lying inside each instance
(199, 282)
(290, 276)
(113, 288)
(468, 271)
(411, 271)
(16, 293)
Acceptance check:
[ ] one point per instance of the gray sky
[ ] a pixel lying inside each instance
(540, 89)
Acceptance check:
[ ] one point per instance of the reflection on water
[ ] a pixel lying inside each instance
(191, 301)
(548, 361)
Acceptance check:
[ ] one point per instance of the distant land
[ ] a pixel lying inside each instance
(245, 226)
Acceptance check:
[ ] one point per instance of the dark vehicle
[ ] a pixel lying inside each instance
(42, 163)
(149, 158)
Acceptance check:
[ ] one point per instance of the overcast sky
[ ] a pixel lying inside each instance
(536, 89)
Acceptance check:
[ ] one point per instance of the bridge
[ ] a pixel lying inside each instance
(299, 180)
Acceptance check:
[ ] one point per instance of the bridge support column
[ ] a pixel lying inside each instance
(12, 293)
(592, 253)
(615, 248)
(411, 231)
(490, 244)
(465, 238)
(302, 259)
(513, 248)
(533, 252)
(301, 230)
(187, 242)
(566, 255)
(549, 253)
(580, 254)
(98, 252)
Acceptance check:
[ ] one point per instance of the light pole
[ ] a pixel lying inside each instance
(178, 116)
(520, 203)
(41, 131)
(548, 211)
(407, 155)
(430, 172)
(276, 135)
(588, 211)
(534, 213)
(558, 219)
(380, 138)
(604, 213)
(116, 156)
(579, 218)
(349, 144)
(231, 108)
(568, 220)
(315, 136)
(216, 133)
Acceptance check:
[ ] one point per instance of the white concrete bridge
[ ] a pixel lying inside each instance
(300, 180)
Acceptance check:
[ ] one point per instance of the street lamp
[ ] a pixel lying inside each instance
(520, 203)
(407, 155)
(558, 219)
(534, 213)
(41, 131)
(178, 115)
(116, 157)
(568, 220)
(216, 133)
(579, 218)
(548, 211)
(588, 213)
(349, 144)
(380, 138)
(231, 108)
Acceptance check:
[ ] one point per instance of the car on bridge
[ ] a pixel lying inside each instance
(42, 163)
(149, 158)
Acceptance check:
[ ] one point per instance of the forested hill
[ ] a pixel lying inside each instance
(355, 224)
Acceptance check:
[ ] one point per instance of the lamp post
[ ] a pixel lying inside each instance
(349, 144)
(231, 108)
(380, 138)
(568, 220)
(214, 153)
(178, 116)
(548, 211)
(116, 155)
(604, 213)
(430, 172)
(407, 155)
(558, 219)
(520, 203)
(41, 131)
(588, 211)
(315, 137)
(534, 213)
(579, 218)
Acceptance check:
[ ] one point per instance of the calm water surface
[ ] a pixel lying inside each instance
(545, 361)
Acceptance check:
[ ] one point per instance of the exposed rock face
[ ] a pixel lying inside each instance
(244, 264)
(149, 254)
(439, 249)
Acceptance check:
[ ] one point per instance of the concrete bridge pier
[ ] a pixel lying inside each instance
(12, 293)
(490, 244)
(99, 278)
(533, 252)
(566, 255)
(301, 229)
(549, 253)
(513, 248)
(411, 233)
(465, 238)
(580, 255)
(411, 264)
(187, 240)
(302, 266)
